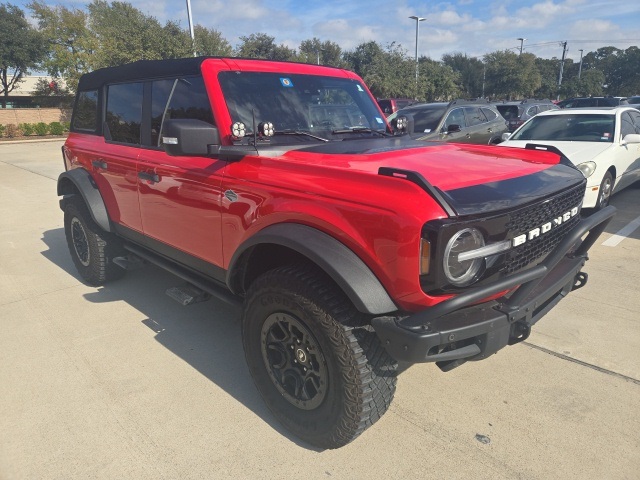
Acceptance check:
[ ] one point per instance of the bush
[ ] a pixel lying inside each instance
(1, 130)
(56, 128)
(66, 126)
(27, 128)
(41, 128)
(13, 131)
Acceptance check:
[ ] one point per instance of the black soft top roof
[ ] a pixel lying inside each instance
(140, 70)
(146, 69)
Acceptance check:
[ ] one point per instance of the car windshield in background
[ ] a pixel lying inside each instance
(425, 119)
(300, 104)
(568, 128)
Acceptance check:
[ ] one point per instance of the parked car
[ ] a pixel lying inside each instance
(461, 121)
(590, 102)
(345, 257)
(603, 143)
(392, 105)
(516, 113)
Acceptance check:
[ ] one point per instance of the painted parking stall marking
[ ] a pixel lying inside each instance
(623, 233)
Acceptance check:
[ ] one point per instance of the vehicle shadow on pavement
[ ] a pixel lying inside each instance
(205, 335)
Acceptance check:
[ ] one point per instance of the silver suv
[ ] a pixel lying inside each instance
(516, 113)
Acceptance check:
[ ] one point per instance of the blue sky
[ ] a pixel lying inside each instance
(473, 27)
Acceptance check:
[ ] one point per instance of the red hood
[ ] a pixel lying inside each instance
(446, 166)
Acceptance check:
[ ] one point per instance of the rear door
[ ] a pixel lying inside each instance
(114, 162)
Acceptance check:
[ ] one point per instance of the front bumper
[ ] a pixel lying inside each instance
(460, 329)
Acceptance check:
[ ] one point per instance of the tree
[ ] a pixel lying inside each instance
(124, 34)
(324, 53)
(21, 48)
(437, 81)
(510, 75)
(261, 45)
(210, 42)
(470, 71)
(71, 45)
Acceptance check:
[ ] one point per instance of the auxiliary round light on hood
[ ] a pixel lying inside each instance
(238, 130)
(265, 129)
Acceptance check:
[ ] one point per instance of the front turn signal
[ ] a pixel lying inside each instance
(425, 256)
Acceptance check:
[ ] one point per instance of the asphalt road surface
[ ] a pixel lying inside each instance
(121, 382)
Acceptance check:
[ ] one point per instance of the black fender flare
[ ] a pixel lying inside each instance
(86, 185)
(349, 272)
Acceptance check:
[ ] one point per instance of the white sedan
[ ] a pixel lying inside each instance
(604, 143)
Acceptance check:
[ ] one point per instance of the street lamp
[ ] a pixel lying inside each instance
(580, 68)
(521, 43)
(418, 20)
(193, 42)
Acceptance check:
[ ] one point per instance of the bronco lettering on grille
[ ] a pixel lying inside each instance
(541, 230)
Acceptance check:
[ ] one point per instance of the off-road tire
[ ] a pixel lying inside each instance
(354, 375)
(92, 249)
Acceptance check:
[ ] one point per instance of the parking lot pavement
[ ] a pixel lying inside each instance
(122, 382)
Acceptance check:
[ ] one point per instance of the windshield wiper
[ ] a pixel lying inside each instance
(298, 132)
(359, 130)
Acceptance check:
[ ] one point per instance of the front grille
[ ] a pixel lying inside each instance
(526, 219)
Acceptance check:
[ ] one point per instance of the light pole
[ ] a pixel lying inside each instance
(521, 43)
(193, 41)
(418, 20)
(580, 67)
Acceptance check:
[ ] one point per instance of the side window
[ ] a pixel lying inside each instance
(635, 117)
(189, 100)
(124, 112)
(490, 114)
(474, 116)
(533, 111)
(160, 93)
(455, 117)
(85, 115)
(627, 125)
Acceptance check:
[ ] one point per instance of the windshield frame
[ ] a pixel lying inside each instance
(295, 103)
(571, 127)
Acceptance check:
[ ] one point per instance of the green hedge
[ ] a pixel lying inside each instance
(30, 129)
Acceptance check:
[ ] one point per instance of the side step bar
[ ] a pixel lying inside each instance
(215, 290)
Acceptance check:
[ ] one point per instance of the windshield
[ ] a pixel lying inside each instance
(324, 106)
(425, 119)
(568, 128)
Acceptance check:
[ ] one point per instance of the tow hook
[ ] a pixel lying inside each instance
(579, 281)
(519, 332)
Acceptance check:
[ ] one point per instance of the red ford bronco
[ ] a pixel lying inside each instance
(281, 187)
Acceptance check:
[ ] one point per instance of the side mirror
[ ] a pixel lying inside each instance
(189, 137)
(630, 139)
(505, 136)
(453, 128)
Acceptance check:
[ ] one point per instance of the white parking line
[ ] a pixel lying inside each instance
(615, 239)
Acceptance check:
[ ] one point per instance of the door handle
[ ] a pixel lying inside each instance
(150, 176)
(99, 163)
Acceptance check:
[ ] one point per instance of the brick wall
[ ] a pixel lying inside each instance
(33, 115)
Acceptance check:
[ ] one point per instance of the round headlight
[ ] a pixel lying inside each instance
(587, 168)
(463, 273)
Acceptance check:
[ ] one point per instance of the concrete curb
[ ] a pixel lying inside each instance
(37, 140)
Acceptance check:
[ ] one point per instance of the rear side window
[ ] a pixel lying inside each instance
(490, 114)
(85, 115)
(474, 116)
(124, 112)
